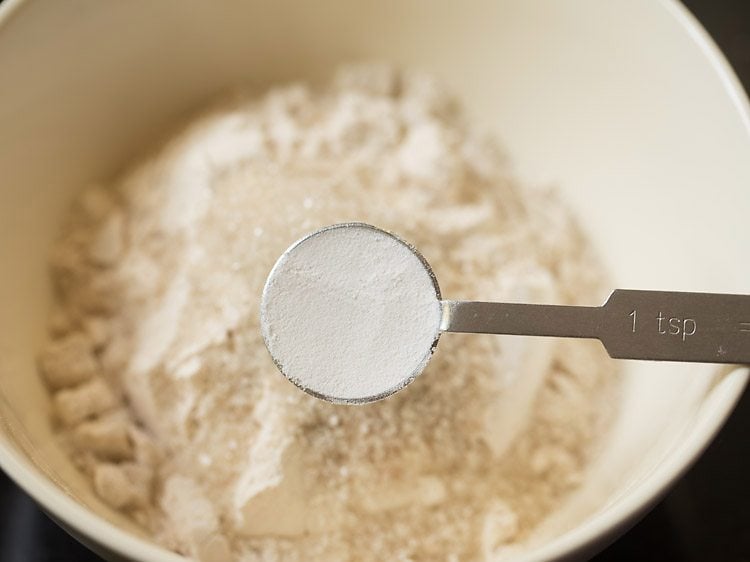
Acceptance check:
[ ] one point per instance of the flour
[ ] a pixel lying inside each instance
(167, 399)
(351, 314)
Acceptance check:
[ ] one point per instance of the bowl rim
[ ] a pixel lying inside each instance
(603, 527)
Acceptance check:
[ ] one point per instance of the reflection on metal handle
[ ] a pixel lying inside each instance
(653, 325)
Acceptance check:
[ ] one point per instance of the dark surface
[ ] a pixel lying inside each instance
(706, 517)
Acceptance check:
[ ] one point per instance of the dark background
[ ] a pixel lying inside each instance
(706, 517)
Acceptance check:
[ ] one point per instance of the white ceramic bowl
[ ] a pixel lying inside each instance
(626, 104)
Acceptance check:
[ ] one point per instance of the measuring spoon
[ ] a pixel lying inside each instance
(631, 324)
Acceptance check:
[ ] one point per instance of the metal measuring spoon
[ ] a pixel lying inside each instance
(631, 324)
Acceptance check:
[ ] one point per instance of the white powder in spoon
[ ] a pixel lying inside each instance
(167, 398)
(351, 314)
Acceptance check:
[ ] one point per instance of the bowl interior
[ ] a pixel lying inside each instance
(621, 104)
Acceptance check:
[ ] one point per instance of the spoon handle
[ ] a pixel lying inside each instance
(652, 325)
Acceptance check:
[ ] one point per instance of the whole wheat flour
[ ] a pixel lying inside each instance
(168, 399)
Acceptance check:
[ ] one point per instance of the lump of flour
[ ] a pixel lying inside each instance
(167, 398)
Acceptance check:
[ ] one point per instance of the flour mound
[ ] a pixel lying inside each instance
(168, 399)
